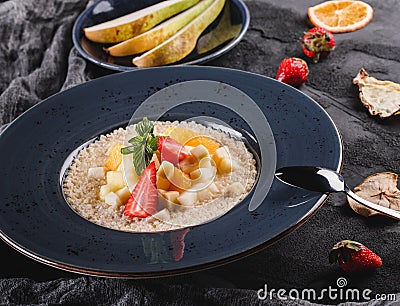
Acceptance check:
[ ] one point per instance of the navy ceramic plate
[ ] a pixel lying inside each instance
(36, 220)
(104, 10)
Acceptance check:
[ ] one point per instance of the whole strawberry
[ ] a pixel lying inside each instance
(353, 256)
(292, 71)
(317, 42)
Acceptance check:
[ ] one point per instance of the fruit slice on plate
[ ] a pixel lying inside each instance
(183, 42)
(180, 134)
(210, 144)
(133, 24)
(157, 35)
(143, 200)
(341, 16)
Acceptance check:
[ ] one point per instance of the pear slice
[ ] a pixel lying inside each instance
(128, 26)
(223, 32)
(152, 38)
(183, 42)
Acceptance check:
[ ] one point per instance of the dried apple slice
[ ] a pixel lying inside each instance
(130, 25)
(379, 97)
(379, 188)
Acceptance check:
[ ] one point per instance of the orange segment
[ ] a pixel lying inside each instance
(180, 134)
(341, 16)
(115, 157)
(206, 141)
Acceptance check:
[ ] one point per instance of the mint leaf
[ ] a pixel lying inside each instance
(153, 143)
(142, 146)
(144, 127)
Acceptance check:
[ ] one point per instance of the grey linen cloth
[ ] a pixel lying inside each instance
(37, 60)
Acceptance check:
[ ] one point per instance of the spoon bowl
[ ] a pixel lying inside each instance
(326, 181)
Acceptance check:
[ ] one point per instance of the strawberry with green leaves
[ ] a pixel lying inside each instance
(353, 256)
(317, 42)
(293, 71)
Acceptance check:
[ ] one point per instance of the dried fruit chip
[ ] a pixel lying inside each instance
(341, 16)
(379, 188)
(379, 97)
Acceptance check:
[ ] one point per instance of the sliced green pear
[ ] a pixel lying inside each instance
(135, 23)
(183, 42)
(223, 32)
(152, 38)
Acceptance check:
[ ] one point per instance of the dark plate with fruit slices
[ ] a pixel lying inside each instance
(36, 220)
(104, 10)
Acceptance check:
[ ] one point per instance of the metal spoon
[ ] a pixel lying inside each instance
(327, 181)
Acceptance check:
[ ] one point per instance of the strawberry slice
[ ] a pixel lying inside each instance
(171, 150)
(143, 200)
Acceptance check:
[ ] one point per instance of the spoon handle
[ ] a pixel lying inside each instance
(384, 210)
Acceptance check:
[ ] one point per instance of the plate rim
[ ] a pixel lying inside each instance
(209, 57)
(196, 267)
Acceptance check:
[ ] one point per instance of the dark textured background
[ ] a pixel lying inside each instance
(37, 60)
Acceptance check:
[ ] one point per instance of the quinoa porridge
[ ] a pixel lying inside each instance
(102, 185)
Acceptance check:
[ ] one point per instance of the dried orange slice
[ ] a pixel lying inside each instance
(206, 141)
(341, 16)
(115, 157)
(180, 134)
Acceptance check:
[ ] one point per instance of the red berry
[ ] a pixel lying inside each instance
(143, 200)
(353, 256)
(292, 71)
(316, 42)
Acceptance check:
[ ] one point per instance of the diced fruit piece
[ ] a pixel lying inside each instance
(199, 152)
(183, 42)
(221, 153)
(163, 183)
(97, 173)
(203, 175)
(155, 160)
(129, 172)
(225, 165)
(113, 200)
(171, 150)
(208, 192)
(161, 191)
(187, 198)
(132, 24)
(175, 176)
(157, 35)
(123, 194)
(189, 164)
(213, 188)
(206, 162)
(104, 190)
(115, 180)
(143, 200)
(235, 189)
(206, 141)
(172, 196)
(162, 215)
(115, 157)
